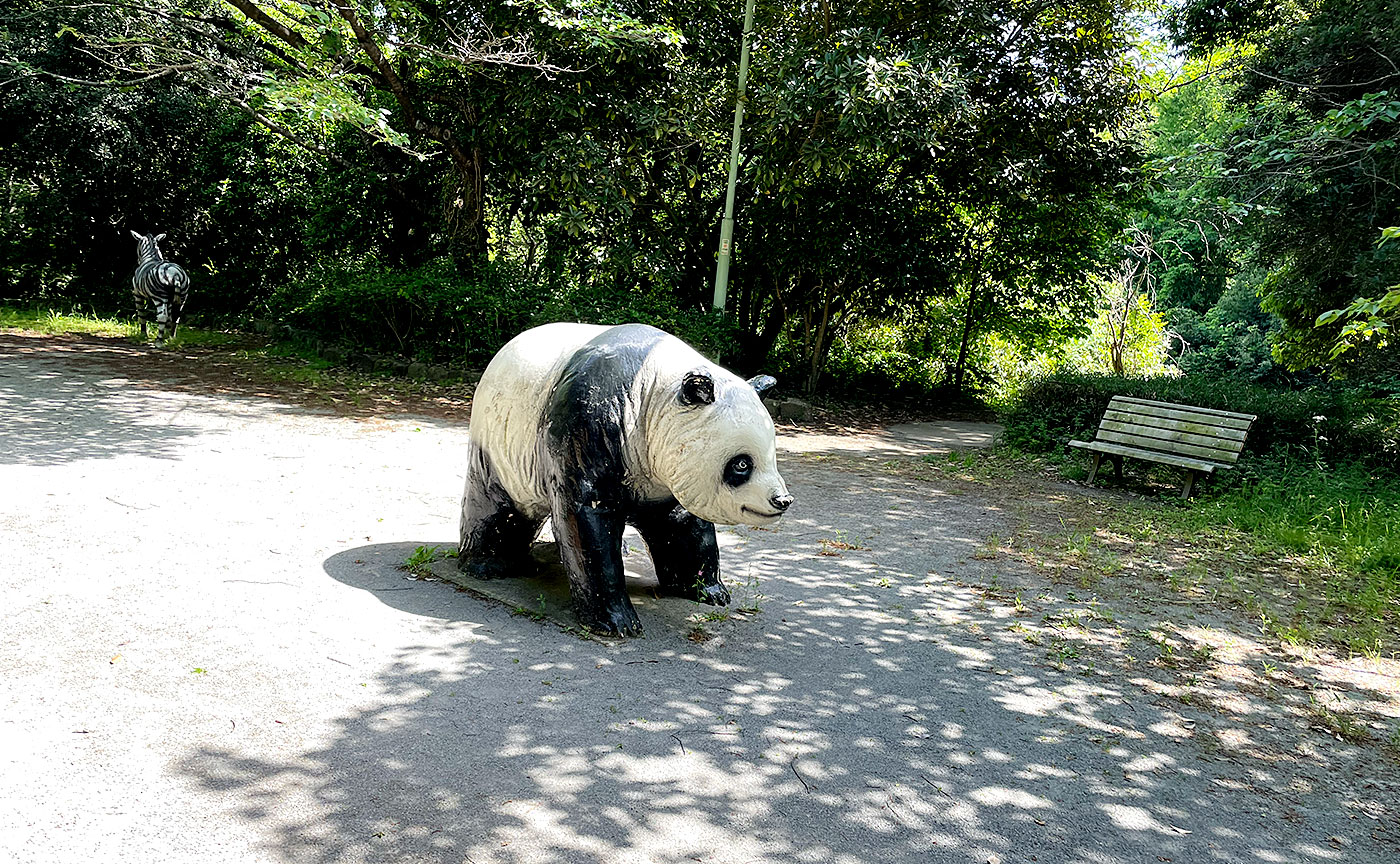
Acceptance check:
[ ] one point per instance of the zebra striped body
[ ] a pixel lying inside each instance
(160, 287)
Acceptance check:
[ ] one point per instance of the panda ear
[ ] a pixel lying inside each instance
(698, 388)
(763, 383)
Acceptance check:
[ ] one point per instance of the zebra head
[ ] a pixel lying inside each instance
(146, 248)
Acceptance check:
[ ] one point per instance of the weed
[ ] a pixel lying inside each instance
(1339, 723)
(536, 614)
(754, 602)
(421, 561)
(833, 548)
(1063, 650)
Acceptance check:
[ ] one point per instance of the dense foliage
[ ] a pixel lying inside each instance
(931, 195)
(1308, 158)
(954, 167)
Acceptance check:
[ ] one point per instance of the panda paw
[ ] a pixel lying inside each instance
(712, 593)
(488, 568)
(709, 593)
(618, 621)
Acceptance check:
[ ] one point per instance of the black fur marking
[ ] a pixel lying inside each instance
(738, 470)
(698, 388)
(684, 552)
(762, 383)
(582, 435)
(590, 545)
(495, 536)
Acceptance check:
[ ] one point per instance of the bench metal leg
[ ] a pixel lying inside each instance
(1190, 482)
(1094, 469)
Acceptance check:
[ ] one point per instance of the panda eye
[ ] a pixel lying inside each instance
(737, 472)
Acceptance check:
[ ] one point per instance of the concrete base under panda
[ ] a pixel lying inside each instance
(544, 594)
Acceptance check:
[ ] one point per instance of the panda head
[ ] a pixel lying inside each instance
(717, 452)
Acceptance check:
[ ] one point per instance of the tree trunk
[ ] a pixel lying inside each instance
(832, 313)
(756, 342)
(969, 325)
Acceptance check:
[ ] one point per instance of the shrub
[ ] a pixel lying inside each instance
(431, 314)
(713, 335)
(428, 312)
(872, 358)
(1332, 423)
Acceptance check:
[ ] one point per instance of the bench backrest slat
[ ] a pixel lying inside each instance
(1228, 419)
(1217, 435)
(1164, 427)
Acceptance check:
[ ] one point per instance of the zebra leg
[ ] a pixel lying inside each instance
(144, 314)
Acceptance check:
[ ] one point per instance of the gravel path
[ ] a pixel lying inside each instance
(210, 655)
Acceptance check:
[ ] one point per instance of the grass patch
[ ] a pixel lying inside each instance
(1310, 551)
(54, 323)
(1326, 539)
(239, 362)
(58, 323)
(1337, 721)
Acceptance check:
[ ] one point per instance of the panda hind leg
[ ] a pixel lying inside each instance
(495, 536)
(684, 552)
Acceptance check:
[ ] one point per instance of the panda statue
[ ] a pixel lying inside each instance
(598, 428)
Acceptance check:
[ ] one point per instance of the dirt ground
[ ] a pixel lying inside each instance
(213, 653)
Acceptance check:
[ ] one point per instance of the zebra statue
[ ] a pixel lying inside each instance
(159, 286)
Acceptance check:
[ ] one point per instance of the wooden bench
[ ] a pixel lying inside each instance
(1201, 440)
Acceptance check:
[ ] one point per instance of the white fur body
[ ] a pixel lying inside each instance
(669, 449)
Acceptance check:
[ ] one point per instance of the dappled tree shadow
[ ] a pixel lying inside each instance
(880, 706)
(52, 413)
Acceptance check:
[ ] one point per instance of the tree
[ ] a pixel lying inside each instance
(81, 165)
(400, 73)
(1366, 320)
(1315, 153)
(1004, 128)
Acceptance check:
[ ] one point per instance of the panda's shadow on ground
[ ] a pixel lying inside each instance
(380, 569)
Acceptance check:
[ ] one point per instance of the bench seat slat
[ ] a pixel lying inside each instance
(1157, 445)
(1173, 442)
(1225, 435)
(1227, 419)
(1151, 455)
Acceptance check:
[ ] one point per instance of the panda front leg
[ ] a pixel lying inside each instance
(589, 532)
(684, 552)
(495, 536)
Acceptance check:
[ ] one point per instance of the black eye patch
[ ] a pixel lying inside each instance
(738, 470)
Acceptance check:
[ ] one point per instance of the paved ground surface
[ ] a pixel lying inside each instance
(210, 654)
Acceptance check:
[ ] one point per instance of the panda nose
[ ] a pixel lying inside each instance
(780, 502)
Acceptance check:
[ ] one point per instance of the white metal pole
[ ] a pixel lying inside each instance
(726, 230)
